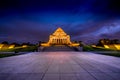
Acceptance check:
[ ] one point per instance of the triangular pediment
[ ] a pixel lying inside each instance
(59, 31)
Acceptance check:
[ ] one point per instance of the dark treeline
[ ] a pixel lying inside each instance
(18, 44)
(102, 42)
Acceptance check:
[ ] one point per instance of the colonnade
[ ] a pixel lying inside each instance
(59, 41)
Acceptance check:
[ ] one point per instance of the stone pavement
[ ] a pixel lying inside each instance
(60, 66)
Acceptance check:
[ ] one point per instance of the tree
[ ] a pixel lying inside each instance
(16, 44)
(107, 41)
(39, 43)
(5, 42)
(115, 41)
(101, 42)
(81, 43)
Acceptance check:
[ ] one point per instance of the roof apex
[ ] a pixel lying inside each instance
(59, 30)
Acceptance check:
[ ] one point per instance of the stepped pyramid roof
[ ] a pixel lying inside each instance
(59, 31)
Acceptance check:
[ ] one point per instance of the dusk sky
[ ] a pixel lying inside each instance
(35, 20)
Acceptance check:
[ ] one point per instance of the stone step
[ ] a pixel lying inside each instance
(59, 48)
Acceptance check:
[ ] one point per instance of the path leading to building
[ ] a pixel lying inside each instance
(60, 66)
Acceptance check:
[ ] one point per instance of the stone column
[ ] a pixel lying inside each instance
(57, 41)
(53, 41)
(64, 41)
(60, 41)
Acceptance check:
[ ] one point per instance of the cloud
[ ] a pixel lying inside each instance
(86, 20)
(107, 29)
(32, 31)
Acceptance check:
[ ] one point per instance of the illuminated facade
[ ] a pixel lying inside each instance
(59, 37)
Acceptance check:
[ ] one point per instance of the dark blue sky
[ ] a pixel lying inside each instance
(35, 20)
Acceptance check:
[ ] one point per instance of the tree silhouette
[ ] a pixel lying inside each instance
(16, 44)
(81, 43)
(115, 41)
(5, 42)
(102, 42)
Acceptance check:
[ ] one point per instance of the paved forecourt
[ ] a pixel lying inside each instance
(60, 66)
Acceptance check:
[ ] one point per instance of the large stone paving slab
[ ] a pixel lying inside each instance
(60, 66)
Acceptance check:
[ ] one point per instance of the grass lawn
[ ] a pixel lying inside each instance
(15, 51)
(110, 53)
(20, 49)
(89, 48)
(27, 49)
(7, 55)
(113, 54)
(103, 51)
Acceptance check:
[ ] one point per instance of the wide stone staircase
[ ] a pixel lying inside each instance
(59, 48)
